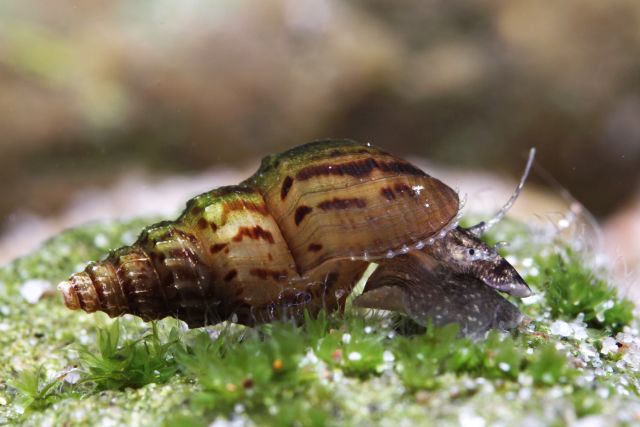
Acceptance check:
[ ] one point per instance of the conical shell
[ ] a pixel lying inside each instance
(296, 235)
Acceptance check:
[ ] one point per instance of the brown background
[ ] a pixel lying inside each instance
(92, 91)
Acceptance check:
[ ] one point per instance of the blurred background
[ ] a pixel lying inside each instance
(114, 108)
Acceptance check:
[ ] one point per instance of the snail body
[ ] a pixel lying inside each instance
(295, 236)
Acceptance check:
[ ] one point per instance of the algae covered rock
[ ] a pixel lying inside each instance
(363, 368)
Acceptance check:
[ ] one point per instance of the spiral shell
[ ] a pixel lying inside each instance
(296, 235)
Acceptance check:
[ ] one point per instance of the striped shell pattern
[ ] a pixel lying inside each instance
(295, 236)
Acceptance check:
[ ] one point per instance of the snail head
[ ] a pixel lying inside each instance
(463, 250)
(465, 253)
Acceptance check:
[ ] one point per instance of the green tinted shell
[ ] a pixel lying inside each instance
(296, 235)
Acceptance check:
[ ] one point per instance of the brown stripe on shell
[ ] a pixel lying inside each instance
(405, 189)
(215, 248)
(264, 273)
(358, 169)
(301, 212)
(286, 186)
(231, 275)
(81, 302)
(338, 203)
(315, 247)
(401, 189)
(240, 205)
(388, 193)
(254, 233)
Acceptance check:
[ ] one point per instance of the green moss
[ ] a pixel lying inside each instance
(119, 364)
(570, 289)
(423, 360)
(566, 279)
(356, 348)
(354, 369)
(255, 369)
(549, 367)
(36, 391)
(586, 403)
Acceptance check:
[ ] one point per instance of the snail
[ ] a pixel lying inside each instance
(298, 235)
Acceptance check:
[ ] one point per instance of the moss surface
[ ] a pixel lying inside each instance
(574, 359)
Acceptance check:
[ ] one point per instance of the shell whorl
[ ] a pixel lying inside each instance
(160, 275)
(123, 283)
(282, 238)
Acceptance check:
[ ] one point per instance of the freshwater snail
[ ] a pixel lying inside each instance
(298, 235)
